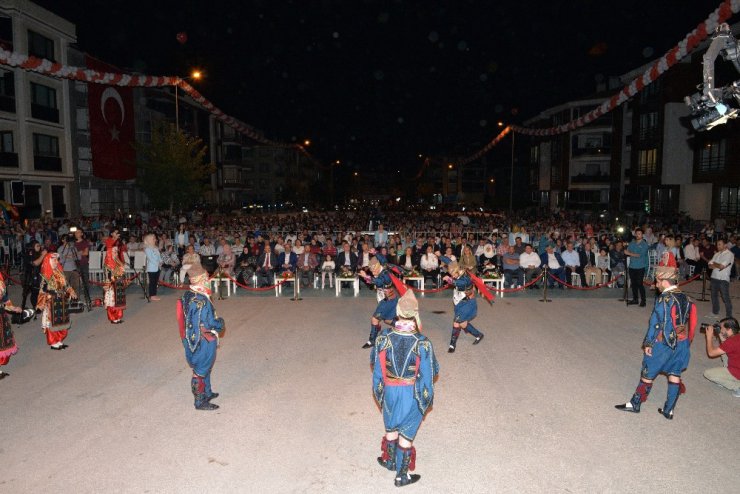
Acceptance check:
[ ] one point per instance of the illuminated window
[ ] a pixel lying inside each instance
(647, 162)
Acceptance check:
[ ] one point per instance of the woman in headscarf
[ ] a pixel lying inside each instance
(54, 302)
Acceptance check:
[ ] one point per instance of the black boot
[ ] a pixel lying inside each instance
(388, 458)
(453, 340)
(405, 460)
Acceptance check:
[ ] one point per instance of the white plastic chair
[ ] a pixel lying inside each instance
(95, 265)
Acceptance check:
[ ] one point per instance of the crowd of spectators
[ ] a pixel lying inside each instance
(575, 248)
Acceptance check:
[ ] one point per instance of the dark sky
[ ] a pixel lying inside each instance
(376, 83)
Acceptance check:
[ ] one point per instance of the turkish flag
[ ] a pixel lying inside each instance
(111, 127)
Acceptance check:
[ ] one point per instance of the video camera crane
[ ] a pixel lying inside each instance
(712, 105)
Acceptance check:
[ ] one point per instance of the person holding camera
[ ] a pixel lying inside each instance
(666, 344)
(68, 260)
(726, 332)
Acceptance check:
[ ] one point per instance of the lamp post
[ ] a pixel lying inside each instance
(511, 184)
(196, 75)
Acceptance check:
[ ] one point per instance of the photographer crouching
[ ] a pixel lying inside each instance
(726, 332)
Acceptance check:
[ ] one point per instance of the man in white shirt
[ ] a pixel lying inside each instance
(530, 262)
(572, 262)
(381, 237)
(721, 265)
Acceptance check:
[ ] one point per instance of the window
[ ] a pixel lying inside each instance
(6, 142)
(728, 204)
(46, 153)
(533, 177)
(46, 146)
(712, 156)
(43, 95)
(648, 91)
(534, 154)
(232, 153)
(44, 103)
(40, 46)
(648, 125)
(7, 83)
(556, 148)
(8, 158)
(7, 91)
(555, 176)
(647, 162)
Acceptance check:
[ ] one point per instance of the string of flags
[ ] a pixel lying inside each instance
(672, 57)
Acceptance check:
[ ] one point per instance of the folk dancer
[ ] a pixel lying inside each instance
(54, 302)
(463, 297)
(386, 286)
(404, 370)
(666, 344)
(8, 348)
(115, 289)
(200, 330)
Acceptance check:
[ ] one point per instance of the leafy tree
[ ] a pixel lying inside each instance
(172, 167)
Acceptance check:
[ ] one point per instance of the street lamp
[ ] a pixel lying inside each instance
(307, 142)
(511, 184)
(196, 75)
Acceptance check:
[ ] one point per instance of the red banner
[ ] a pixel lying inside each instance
(111, 127)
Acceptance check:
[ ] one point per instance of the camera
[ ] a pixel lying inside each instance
(716, 328)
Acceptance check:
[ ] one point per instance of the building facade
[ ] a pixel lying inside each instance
(36, 136)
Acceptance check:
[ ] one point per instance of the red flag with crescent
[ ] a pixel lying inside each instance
(112, 134)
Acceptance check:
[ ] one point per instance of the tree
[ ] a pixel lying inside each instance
(172, 167)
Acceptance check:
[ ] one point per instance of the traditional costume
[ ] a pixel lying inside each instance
(386, 286)
(54, 302)
(404, 370)
(199, 331)
(115, 287)
(463, 297)
(666, 344)
(8, 348)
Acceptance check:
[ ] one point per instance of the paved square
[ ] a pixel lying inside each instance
(528, 410)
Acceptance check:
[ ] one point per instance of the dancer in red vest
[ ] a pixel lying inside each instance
(8, 347)
(54, 302)
(115, 289)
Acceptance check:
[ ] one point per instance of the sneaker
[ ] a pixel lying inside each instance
(736, 393)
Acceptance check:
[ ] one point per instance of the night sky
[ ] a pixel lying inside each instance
(376, 83)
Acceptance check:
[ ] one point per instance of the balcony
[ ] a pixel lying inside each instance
(47, 163)
(8, 160)
(44, 113)
(7, 103)
(592, 151)
(582, 178)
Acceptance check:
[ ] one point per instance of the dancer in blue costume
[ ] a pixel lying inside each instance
(404, 370)
(666, 344)
(387, 296)
(200, 330)
(466, 307)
